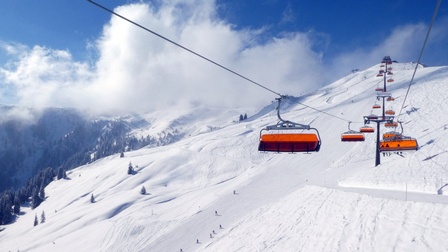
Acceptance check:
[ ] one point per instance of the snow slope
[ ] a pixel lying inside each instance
(333, 200)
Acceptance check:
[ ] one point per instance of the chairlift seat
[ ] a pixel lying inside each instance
(391, 124)
(289, 142)
(352, 137)
(399, 145)
(367, 129)
(392, 135)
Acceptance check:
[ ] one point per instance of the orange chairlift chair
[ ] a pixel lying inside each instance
(397, 142)
(366, 129)
(287, 136)
(352, 135)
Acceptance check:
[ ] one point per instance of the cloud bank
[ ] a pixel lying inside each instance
(135, 71)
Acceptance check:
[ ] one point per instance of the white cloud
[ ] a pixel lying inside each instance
(39, 76)
(138, 71)
(288, 15)
(23, 114)
(140, 67)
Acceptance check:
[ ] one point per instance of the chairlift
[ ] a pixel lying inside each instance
(352, 135)
(392, 135)
(386, 59)
(366, 129)
(398, 143)
(391, 124)
(372, 117)
(390, 80)
(390, 99)
(287, 136)
(390, 112)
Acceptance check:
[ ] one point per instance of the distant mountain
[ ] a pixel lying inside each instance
(31, 139)
(59, 138)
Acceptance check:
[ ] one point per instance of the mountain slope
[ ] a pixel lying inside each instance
(327, 201)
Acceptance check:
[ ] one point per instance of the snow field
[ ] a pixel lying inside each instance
(333, 200)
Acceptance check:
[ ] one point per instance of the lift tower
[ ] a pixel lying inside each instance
(378, 119)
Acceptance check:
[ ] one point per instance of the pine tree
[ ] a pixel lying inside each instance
(61, 173)
(35, 199)
(122, 154)
(23, 196)
(42, 217)
(92, 199)
(245, 116)
(16, 203)
(1, 211)
(143, 190)
(130, 168)
(6, 209)
(241, 117)
(36, 221)
(42, 193)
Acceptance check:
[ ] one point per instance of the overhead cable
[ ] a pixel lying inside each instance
(321, 111)
(421, 53)
(184, 48)
(207, 59)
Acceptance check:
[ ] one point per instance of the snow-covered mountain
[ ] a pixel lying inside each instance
(212, 190)
(34, 139)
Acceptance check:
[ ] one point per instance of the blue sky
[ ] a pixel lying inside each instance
(80, 47)
(70, 24)
(348, 24)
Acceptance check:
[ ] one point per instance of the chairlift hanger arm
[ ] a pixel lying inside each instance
(368, 119)
(287, 125)
(284, 124)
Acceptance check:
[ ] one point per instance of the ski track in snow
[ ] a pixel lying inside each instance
(334, 200)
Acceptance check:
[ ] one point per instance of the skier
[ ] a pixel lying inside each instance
(216, 213)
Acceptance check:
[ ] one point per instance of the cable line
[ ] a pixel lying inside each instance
(183, 47)
(209, 60)
(421, 53)
(321, 111)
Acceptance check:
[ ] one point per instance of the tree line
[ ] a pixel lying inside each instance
(32, 194)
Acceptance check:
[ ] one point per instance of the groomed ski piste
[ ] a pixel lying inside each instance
(214, 191)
